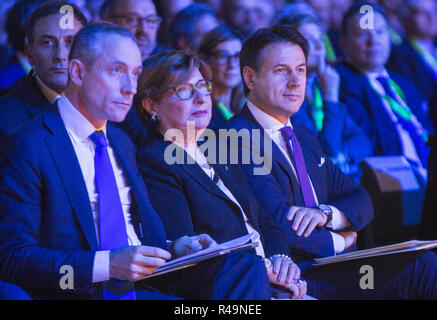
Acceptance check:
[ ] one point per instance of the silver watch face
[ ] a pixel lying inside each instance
(325, 209)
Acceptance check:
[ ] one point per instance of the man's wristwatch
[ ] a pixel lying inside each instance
(326, 210)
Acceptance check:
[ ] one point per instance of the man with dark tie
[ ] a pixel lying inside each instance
(71, 196)
(47, 49)
(315, 204)
(416, 57)
(384, 104)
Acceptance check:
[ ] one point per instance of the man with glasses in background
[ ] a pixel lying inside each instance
(140, 18)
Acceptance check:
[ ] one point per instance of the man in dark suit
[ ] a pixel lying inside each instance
(71, 195)
(385, 105)
(47, 49)
(318, 207)
(416, 57)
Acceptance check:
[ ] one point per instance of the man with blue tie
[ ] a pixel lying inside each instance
(315, 204)
(385, 105)
(71, 196)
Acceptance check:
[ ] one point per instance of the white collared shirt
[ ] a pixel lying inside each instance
(272, 128)
(79, 129)
(407, 144)
(194, 152)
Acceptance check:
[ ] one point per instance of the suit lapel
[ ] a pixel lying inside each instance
(35, 101)
(69, 170)
(277, 156)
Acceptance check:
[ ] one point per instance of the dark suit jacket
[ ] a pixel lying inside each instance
(405, 61)
(279, 190)
(429, 220)
(45, 212)
(366, 108)
(189, 202)
(24, 103)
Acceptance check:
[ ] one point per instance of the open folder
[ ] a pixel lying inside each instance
(406, 246)
(244, 242)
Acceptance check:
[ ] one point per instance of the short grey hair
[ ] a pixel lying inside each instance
(86, 41)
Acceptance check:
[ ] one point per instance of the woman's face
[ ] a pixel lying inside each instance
(225, 64)
(175, 113)
(314, 36)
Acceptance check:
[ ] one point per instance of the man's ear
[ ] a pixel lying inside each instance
(248, 77)
(28, 51)
(76, 71)
(149, 105)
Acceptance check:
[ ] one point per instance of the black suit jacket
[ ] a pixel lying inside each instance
(278, 190)
(22, 104)
(189, 202)
(45, 212)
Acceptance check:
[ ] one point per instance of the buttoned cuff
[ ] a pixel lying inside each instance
(338, 241)
(101, 266)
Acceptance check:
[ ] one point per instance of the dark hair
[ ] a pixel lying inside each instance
(86, 40)
(355, 10)
(253, 46)
(164, 71)
(296, 21)
(15, 21)
(184, 22)
(48, 8)
(216, 36)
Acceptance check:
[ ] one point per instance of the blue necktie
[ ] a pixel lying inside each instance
(112, 227)
(296, 155)
(421, 148)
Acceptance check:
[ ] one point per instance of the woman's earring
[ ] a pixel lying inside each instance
(154, 117)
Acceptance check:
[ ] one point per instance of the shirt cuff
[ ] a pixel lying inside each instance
(338, 241)
(101, 266)
(339, 220)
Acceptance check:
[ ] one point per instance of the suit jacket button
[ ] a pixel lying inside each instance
(360, 219)
(315, 249)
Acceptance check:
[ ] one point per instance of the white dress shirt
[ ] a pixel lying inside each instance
(194, 152)
(407, 145)
(272, 128)
(79, 129)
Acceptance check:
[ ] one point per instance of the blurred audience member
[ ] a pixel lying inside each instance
(322, 112)
(5, 50)
(395, 28)
(140, 18)
(221, 50)
(323, 10)
(168, 9)
(189, 26)
(18, 65)
(94, 9)
(47, 49)
(215, 4)
(386, 106)
(247, 16)
(416, 58)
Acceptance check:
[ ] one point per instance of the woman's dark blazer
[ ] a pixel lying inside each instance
(190, 203)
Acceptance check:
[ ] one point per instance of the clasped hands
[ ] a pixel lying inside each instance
(135, 262)
(305, 220)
